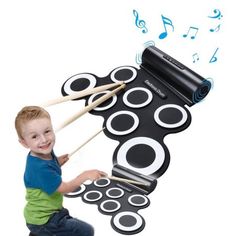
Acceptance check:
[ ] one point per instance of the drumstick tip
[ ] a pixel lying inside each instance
(121, 82)
(123, 85)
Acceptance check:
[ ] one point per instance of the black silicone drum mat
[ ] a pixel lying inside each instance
(152, 105)
(118, 200)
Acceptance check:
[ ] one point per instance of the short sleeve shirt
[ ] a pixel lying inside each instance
(42, 174)
(42, 178)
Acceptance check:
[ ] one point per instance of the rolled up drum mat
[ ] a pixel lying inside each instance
(187, 84)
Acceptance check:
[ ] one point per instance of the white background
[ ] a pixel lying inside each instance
(43, 43)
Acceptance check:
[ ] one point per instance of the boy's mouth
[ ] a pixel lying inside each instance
(45, 146)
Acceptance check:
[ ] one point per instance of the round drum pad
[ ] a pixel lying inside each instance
(79, 82)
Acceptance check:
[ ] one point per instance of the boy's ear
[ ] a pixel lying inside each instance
(23, 143)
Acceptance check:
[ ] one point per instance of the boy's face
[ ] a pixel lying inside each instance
(38, 136)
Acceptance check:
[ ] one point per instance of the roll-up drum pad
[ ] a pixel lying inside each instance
(152, 105)
(117, 199)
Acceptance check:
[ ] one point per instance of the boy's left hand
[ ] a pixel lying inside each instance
(63, 159)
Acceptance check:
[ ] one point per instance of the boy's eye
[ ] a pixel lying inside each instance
(34, 136)
(47, 131)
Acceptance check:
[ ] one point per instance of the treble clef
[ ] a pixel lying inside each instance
(140, 23)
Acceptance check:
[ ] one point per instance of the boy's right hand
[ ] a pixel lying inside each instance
(93, 175)
(66, 187)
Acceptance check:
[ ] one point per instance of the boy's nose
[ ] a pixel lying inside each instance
(43, 138)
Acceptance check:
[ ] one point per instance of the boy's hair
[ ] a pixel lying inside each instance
(28, 113)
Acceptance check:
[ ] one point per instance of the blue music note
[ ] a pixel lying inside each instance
(217, 15)
(191, 29)
(166, 21)
(140, 23)
(216, 29)
(195, 57)
(214, 58)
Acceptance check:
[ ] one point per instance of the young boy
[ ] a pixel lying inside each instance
(44, 212)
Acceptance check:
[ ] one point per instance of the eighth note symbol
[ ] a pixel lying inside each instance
(166, 21)
(216, 29)
(191, 29)
(195, 57)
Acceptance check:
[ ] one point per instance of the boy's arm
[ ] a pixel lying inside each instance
(63, 159)
(66, 187)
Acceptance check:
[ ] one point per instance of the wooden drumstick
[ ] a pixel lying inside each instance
(81, 94)
(90, 107)
(125, 180)
(78, 148)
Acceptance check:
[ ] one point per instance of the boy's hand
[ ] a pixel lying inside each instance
(93, 175)
(63, 159)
